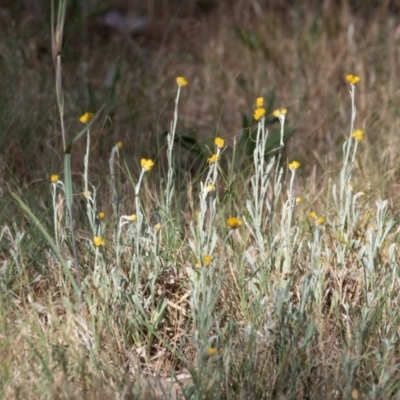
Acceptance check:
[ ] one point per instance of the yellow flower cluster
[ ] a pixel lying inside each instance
(219, 142)
(279, 112)
(207, 260)
(98, 241)
(353, 79)
(294, 165)
(210, 188)
(318, 220)
(211, 351)
(213, 159)
(259, 113)
(358, 134)
(101, 215)
(147, 164)
(181, 81)
(234, 223)
(54, 178)
(86, 118)
(260, 102)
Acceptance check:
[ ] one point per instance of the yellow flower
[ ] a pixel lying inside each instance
(157, 227)
(294, 165)
(98, 241)
(358, 135)
(354, 394)
(219, 142)
(147, 165)
(313, 214)
(197, 265)
(320, 221)
(207, 260)
(260, 102)
(299, 200)
(279, 113)
(86, 194)
(234, 223)
(210, 188)
(259, 113)
(86, 118)
(353, 79)
(101, 215)
(119, 145)
(181, 81)
(54, 178)
(133, 218)
(211, 351)
(213, 159)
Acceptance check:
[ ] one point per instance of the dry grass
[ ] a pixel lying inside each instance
(279, 334)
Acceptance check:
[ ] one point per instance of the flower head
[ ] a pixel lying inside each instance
(119, 145)
(259, 113)
(279, 112)
(353, 79)
(234, 223)
(86, 194)
(207, 260)
(181, 81)
(101, 215)
(133, 218)
(299, 200)
(54, 178)
(98, 241)
(313, 214)
(358, 135)
(260, 102)
(319, 221)
(213, 159)
(210, 188)
(294, 165)
(157, 227)
(86, 118)
(147, 165)
(219, 142)
(211, 351)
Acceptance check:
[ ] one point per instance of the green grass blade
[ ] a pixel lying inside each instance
(49, 240)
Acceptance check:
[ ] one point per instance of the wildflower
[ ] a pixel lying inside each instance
(260, 102)
(319, 221)
(207, 260)
(54, 178)
(133, 218)
(119, 145)
(279, 112)
(210, 188)
(358, 135)
(234, 223)
(101, 215)
(197, 265)
(86, 194)
(354, 394)
(259, 113)
(213, 159)
(299, 200)
(98, 241)
(181, 81)
(86, 118)
(313, 214)
(219, 142)
(211, 351)
(353, 79)
(157, 227)
(294, 165)
(147, 165)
